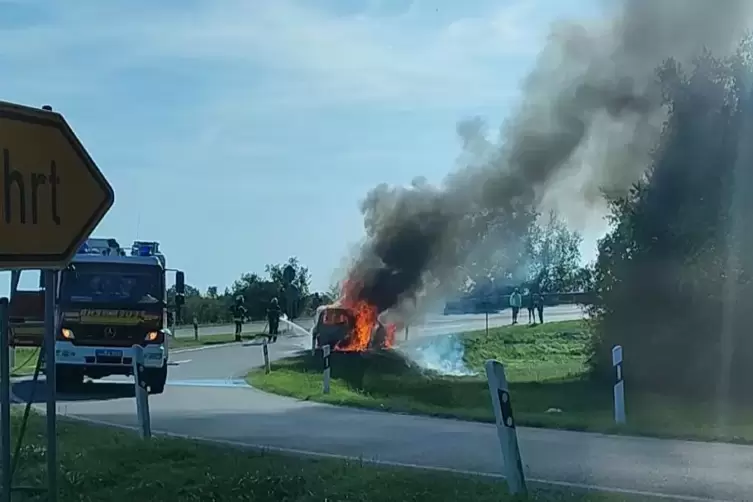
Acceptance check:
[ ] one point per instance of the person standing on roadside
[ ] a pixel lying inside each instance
(538, 303)
(530, 306)
(273, 318)
(239, 315)
(515, 303)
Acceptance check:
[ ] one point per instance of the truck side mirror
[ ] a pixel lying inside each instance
(180, 283)
(180, 288)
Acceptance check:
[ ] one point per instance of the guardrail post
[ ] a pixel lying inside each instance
(619, 385)
(142, 396)
(325, 382)
(508, 436)
(265, 350)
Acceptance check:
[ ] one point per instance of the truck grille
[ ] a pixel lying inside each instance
(108, 336)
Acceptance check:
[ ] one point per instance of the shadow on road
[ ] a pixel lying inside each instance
(36, 392)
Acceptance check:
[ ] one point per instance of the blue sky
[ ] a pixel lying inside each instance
(239, 133)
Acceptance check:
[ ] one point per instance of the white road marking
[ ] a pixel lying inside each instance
(176, 363)
(205, 347)
(305, 453)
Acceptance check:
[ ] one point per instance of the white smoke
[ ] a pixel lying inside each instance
(441, 354)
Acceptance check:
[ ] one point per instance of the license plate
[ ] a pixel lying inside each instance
(109, 353)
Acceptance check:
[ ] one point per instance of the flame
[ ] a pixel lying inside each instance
(365, 315)
(390, 340)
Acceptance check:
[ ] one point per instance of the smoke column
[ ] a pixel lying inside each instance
(589, 117)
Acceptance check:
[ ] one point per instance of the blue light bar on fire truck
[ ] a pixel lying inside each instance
(141, 248)
(105, 247)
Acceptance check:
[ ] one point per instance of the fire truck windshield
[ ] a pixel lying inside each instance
(113, 283)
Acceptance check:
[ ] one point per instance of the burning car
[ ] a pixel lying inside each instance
(348, 329)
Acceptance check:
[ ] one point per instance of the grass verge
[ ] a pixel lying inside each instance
(97, 463)
(26, 361)
(548, 382)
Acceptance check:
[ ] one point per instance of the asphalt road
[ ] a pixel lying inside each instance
(206, 398)
(449, 323)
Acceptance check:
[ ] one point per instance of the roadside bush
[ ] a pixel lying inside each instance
(672, 278)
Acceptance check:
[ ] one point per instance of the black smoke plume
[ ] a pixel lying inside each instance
(591, 111)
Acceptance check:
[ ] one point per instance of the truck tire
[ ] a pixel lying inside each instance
(67, 379)
(156, 378)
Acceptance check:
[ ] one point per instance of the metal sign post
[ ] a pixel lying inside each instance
(508, 437)
(619, 385)
(49, 362)
(5, 370)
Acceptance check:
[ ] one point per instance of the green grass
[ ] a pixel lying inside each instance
(26, 360)
(97, 463)
(545, 366)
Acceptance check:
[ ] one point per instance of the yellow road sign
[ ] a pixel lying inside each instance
(52, 193)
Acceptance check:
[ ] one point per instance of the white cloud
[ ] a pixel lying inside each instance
(328, 58)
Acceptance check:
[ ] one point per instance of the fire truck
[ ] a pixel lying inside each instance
(108, 301)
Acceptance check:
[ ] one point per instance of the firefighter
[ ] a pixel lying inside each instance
(273, 316)
(239, 315)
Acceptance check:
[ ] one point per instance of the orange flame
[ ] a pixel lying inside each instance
(390, 340)
(365, 316)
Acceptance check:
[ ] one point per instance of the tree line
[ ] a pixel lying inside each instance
(674, 276)
(213, 307)
(546, 260)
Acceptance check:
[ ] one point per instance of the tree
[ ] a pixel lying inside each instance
(673, 278)
(257, 292)
(554, 256)
(292, 299)
(206, 309)
(546, 258)
(333, 293)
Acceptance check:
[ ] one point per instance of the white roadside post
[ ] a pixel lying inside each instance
(619, 385)
(142, 396)
(325, 382)
(508, 437)
(265, 350)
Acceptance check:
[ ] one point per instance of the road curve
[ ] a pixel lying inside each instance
(205, 399)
